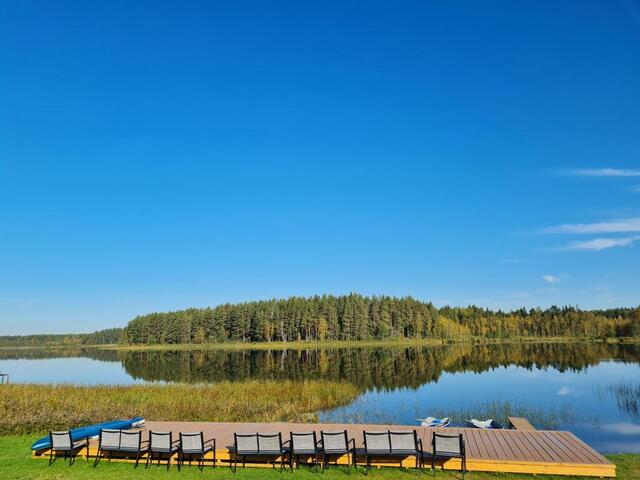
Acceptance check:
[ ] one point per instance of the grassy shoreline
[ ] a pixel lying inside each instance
(29, 408)
(335, 344)
(16, 463)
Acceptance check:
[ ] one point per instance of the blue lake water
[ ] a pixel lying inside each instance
(592, 390)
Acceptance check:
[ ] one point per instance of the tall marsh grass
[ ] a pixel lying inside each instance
(37, 408)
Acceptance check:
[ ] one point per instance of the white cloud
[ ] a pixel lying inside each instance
(565, 391)
(552, 279)
(615, 226)
(601, 243)
(605, 172)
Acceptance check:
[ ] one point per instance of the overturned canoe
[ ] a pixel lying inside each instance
(434, 422)
(484, 424)
(91, 431)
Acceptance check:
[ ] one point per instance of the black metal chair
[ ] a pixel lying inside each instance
(131, 442)
(62, 442)
(336, 444)
(161, 443)
(303, 444)
(258, 445)
(446, 447)
(375, 444)
(392, 444)
(406, 444)
(194, 445)
(109, 442)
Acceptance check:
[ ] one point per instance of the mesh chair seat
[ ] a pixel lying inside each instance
(109, 440)
(303, 443)
(257, 444)
(131, 442)
(171, 449)
(133, 449)
(392, 444)
(202, 450)
(377, 443)
(334, 442)
(270, 444)
(62, 442)
(402, 451)
(448, 446)
(194, 445)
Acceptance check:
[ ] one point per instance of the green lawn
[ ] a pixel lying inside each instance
(16, 463)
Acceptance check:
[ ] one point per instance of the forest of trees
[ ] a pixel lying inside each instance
(348, 317)
(101, 337)
(355, 317)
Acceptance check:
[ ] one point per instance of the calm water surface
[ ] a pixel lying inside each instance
(592, 390)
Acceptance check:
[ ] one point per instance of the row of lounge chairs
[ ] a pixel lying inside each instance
(193, 446)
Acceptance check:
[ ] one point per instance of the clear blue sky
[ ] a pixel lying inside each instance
(160, 155)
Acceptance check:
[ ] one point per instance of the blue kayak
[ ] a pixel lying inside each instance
(91, 431)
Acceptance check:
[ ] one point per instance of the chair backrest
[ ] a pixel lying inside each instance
(404, 441)
(303, 441)
(269, 442)
(109, 438)
(447, 444)
(60, 440)
(334, 441)
(245, 442)
(160, 440)
(377, 442)
(131, 439)
(192, 442)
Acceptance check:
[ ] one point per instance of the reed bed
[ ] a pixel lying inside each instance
(30, 408)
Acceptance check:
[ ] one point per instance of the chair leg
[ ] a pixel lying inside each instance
(50, 456)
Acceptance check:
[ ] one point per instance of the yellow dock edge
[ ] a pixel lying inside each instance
(223, 458)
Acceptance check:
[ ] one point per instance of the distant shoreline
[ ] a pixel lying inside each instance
(334, 344)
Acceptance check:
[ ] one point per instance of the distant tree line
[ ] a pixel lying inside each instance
(355, 317)
(101, 337)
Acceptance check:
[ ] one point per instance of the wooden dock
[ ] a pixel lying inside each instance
(514, 451)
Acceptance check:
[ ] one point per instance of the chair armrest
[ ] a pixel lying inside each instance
(286, 442)
(175, 442)
(211, 440)
(351, 441)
